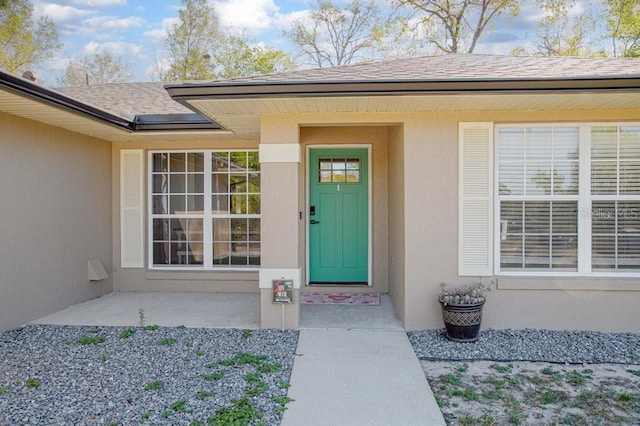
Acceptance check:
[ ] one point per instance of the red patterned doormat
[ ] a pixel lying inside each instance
(364, 299)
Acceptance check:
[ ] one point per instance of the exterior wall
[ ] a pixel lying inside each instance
(377, 137)
(431, 214)
(55, 205)
(144, 279)
(396, 260)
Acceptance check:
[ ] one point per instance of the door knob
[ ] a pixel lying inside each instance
(314, 222)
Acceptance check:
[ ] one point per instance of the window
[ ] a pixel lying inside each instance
(205, 209)
(542, 207)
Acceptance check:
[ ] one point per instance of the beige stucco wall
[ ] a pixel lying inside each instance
(396, 258)
(55, 210)
(144, 279)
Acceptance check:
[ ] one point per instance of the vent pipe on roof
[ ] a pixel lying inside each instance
(30, 75)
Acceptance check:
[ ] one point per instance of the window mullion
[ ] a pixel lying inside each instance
(207, 231)
(584, 202)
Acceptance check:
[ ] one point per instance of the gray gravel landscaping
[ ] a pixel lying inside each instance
(572, 347)
(154, 375)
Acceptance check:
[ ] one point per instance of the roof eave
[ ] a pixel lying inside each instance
(256, 90)
(28, 89)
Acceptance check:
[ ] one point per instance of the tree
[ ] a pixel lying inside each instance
(456, 26)
(561, 35)
(191, 44)
(101, 69)
(333, 36)
(237, 58)
(23, 42)
(623, 25)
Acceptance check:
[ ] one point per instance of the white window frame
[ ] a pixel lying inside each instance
(584, 198)
(207, 216)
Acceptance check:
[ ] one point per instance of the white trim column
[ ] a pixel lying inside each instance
(279, 220)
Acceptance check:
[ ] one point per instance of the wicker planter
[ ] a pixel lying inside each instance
(462, 322)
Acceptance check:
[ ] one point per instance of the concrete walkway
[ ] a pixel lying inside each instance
(358, 377)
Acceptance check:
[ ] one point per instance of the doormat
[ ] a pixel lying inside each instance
(363, 299)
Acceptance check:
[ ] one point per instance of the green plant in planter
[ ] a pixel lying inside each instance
(472, 294)
(462, 310)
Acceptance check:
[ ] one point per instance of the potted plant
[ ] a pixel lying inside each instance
(462, 310)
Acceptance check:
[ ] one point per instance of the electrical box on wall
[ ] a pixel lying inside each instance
(282, 291)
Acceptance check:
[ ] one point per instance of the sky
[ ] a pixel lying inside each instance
(135, 28)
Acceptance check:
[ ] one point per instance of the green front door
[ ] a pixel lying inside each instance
(338, 216)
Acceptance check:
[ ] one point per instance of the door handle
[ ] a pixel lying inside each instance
(314, 222)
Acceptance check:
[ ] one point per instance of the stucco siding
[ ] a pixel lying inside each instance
(396, 260)
(55, 205)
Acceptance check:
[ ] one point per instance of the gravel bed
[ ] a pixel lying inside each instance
(566, 347)
(61, 375)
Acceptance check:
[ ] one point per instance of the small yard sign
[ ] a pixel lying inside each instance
(282, 291)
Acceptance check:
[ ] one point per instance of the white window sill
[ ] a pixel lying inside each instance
(591, 283)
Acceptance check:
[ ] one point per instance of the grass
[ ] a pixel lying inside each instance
(151, 327)
(32, 383)
(167, 341)
(91, 340)
(155, 385)
(498, 393)
(127, 333)
(241, 413)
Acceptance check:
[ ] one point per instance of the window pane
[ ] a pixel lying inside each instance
(630, 177)
(564, 217)
(511, 178)
(221, 254)
(220, 183)
(238, 161)
(177, 183)
(630, 142)
(511, 144)
(537, 217)
(254, 254)
(603, 177)
(160, 163)
(160, 183)
(239, 204)
(536, 251)
(160, 204)
(604, 142)
(511, 255)
(565, 177)
(239, 230)
(539, 144)
(195, 161)
(564, 252)
(253, 162)
(539, 179)
(177, 204)
(195, 184)
(220, 204)
(195, 203)
(220, 162)
(254, 229)
(254, 183)
(177, 162)
(615, 237)
(254, 204)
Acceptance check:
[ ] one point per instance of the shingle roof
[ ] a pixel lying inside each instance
(463, 67)
(127, 99)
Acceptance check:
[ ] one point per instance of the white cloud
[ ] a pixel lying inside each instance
(160, 33)
(113, 23)
(61, 15)
(98, 3)
(253, 16)
(117, 48)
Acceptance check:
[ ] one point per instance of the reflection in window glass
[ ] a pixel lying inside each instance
(339, 170)
(219, 187)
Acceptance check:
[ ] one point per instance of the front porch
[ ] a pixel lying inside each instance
(213, 310)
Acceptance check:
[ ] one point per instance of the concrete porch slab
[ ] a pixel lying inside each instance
(215, 310)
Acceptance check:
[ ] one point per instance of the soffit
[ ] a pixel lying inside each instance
(242, 116)
(21, 106)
